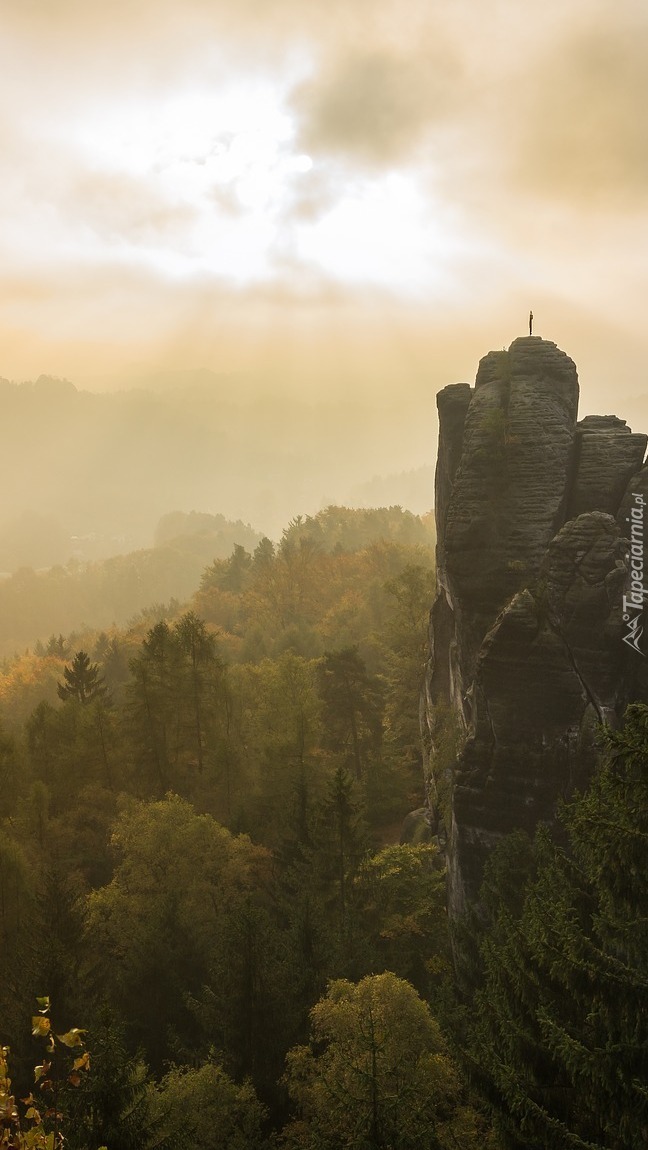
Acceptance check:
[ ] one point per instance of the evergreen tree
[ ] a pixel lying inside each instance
(151, 704)
(114, 1105)
(562, 1033)
(83, 680)
(351, 708)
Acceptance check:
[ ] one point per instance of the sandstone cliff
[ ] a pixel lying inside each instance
(529, 645)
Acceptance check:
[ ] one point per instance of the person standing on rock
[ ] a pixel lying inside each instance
(530, 323)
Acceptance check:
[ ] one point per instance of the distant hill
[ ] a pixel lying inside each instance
(65, 598)
(101, 469)
(411, 489)
(353, 529)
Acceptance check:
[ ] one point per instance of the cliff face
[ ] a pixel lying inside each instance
(529, 646)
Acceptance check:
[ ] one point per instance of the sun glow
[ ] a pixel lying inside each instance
(218, 186)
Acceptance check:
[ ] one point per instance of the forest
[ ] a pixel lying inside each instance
(212, 933)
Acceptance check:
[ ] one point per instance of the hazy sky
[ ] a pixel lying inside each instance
(349, 196)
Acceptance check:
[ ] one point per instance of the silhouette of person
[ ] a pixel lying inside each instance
(530, 323)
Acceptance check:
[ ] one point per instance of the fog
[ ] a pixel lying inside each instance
(258, 238)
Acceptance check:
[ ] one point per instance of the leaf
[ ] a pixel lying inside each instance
(72, 1037)
(43, 1004)
(74, 1079)
(40, 1026)
(82, 1063)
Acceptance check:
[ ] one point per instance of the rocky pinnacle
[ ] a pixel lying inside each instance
(527, 646)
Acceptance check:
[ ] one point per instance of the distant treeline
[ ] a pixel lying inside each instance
(98, 595)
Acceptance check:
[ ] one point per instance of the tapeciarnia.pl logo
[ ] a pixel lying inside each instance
(633, 602)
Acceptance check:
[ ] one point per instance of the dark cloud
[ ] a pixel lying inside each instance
(374, 106)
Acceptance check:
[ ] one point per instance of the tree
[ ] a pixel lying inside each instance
(278, 737)
(406, 634)
(400, 905)
(114, 1105)
(74, 746)
(351, 708)
(342, 842)
(376, 1075)
(65, 1064)
(561, 1040)
(198, 646)
(204, 1108)
(174, 703)
(18, 886)
(83, 680)
(151, 703)
(156, 931)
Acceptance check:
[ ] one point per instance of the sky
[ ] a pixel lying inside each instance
(324, 198)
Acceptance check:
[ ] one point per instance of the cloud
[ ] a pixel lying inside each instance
(505, 121)
(375, 106)
(123, 208)
(582, 129)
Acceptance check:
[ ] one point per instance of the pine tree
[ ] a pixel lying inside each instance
(562, 1034)
(351, 708)
(82, 680)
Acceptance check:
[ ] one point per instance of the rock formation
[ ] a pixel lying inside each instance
(532, 641)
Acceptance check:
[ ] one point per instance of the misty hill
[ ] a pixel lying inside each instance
(413, 489)
(78, 596)
(65, 598)
(99, 470)
(342, 529)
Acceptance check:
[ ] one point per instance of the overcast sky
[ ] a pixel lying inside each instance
(341, 196)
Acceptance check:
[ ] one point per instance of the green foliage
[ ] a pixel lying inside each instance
(400, 899)
(406, 639)
(344, 529)
(351, 708)
(561, 1037)
(197, 937)
(204, 1109)
(18, 887)
(113, 1106)
(175, 702)
(82, 680)
(376, 1074)
(40, 1125)
(157, 929)
(446, 743)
